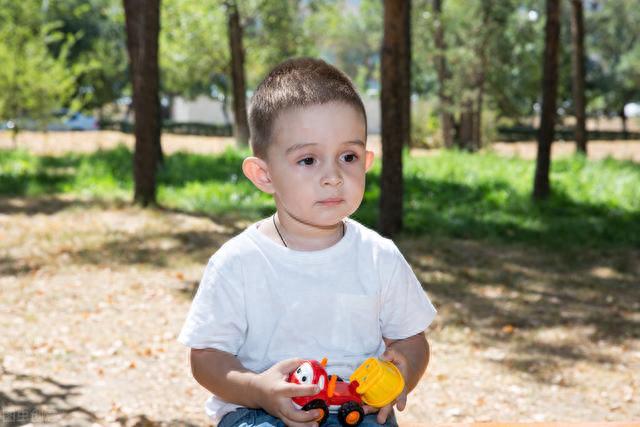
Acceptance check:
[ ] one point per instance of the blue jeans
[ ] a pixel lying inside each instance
(244, 417)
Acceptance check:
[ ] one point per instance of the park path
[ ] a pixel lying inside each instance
(58, 143)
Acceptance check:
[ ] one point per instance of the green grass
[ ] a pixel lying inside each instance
(453, 194)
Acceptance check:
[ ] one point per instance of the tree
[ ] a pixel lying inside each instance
(446, 119)
(577, 62)
(275, 31)
(477, 48)
(97, 58)
(194, 54)
(513, 70)
(349, 35)
(143, 26)
(395, 102)
(612, 40)
(241, 125)
(541, 187)
(28, 69)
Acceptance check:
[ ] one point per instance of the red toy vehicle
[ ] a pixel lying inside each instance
(335, 395)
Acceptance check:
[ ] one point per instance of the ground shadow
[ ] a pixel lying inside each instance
(506, 294)
(143, 249)
(35, 399)
(144, 421)
(46, 205)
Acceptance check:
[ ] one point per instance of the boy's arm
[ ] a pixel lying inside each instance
(411, 356)
(223, 375)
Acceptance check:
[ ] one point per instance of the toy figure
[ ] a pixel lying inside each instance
(376, 383)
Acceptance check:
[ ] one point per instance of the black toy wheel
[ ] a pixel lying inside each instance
(350, 414)
(318, 404)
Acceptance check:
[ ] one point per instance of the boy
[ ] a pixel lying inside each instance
(307, 282)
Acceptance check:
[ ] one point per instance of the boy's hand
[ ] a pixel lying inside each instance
(400, 361)
(275, 393)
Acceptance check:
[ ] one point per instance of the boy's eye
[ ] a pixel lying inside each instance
(307, 161)
(350, 158)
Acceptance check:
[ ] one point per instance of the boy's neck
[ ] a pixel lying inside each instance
(299, 235)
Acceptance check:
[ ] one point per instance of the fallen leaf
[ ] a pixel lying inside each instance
(147, 352)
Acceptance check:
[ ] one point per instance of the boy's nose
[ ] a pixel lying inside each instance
(332, 177)
(332, 180)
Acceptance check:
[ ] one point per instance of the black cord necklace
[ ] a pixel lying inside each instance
(282, 238)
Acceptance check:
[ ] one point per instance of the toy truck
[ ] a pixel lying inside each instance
(374, 383)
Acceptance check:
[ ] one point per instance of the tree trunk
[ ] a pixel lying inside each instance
(241, 125)
(465, 139)
(370, 67)
(142, 19)
(406, 76)
(577, 63)
(477, 117)
(479, 74)
(225, 105)
(395, 111)
(541, 186)
(446, 119)
(623, 118)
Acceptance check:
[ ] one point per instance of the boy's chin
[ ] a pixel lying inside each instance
(330, 222)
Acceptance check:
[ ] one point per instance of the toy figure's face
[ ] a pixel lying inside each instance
(304, 373)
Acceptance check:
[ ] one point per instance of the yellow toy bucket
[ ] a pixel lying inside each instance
(379, 382)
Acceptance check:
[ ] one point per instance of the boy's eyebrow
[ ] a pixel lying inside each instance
(295, 147)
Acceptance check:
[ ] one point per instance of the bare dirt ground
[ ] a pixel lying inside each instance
(93, 294)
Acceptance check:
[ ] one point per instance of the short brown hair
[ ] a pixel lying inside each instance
(297, 82)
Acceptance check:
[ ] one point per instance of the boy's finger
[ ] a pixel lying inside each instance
(291, 423)
(369, 409)
(391, 355)
(383, 414)
(388, 354)
(287, 366)
(296, 390)
(299, 416)
(401, 402)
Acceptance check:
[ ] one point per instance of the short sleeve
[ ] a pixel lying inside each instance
(405, 307)
(217, 316)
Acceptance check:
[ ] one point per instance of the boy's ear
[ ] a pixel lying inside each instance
(368, 160)
(257, 171)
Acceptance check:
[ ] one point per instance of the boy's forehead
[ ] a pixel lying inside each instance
(300, 146)
(316, 125)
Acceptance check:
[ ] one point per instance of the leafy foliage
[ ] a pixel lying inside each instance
(28, 67)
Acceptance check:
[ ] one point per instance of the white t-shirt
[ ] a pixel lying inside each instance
(265, 303)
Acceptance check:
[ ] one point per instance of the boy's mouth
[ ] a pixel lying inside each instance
(331, 202)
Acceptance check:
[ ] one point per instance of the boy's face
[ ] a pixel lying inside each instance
(317, 162)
